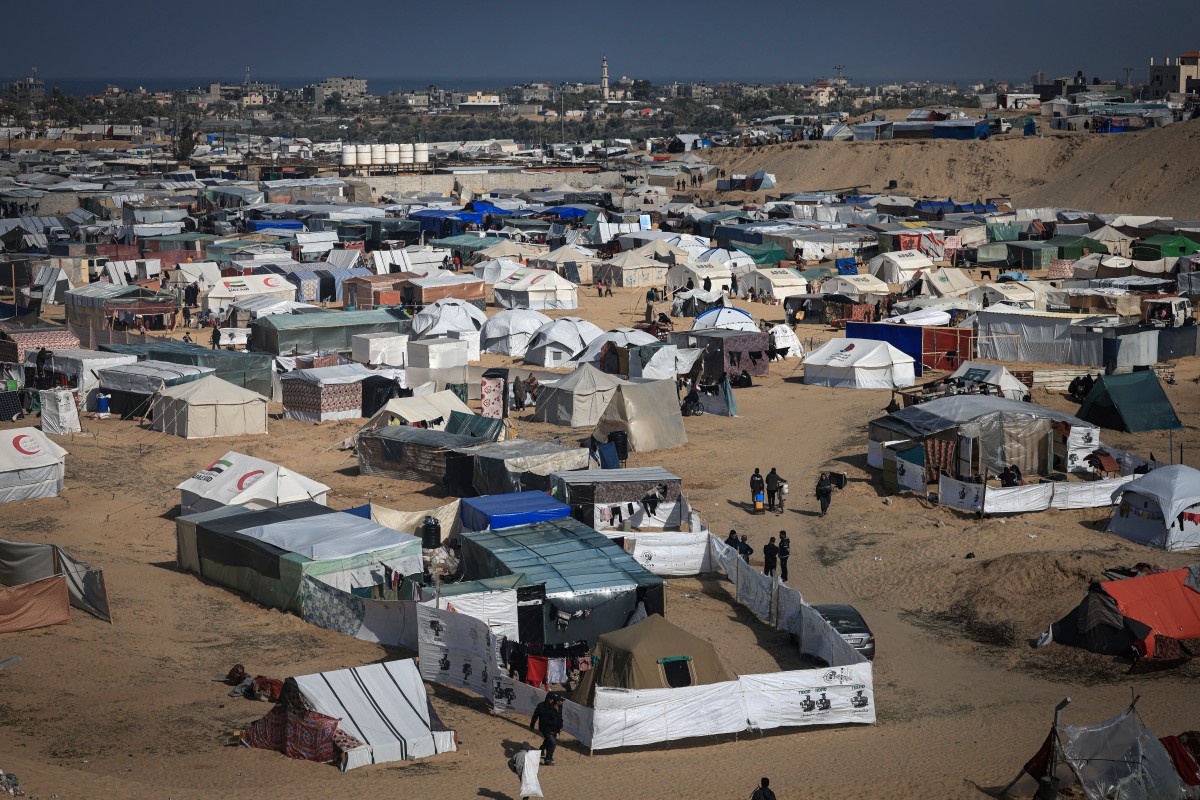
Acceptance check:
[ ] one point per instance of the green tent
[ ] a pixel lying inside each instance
(1163, 245)
(764, 254)
(1134, 402)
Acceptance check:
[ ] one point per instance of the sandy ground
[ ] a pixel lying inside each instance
(1151, 172)
(131, 709)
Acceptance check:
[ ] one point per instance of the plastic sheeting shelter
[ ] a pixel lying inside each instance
(652, 654)
(1160, 509)
(510, 331)
(859, 364)
(31, 465)
(578, 399)
(581, 570)
(560, 341)
(535, 289)
(39, 583)
(495, 511)
(647, 412)
(236, 479)
(207, 408)
(1135, 402)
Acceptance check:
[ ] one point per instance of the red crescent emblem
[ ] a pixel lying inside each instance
(245, 481)
(28, 441)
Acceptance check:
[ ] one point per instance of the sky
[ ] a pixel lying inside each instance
(496, 41)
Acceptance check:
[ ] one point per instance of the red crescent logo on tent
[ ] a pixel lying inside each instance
(26, 444)
(248, 479)
(269, 282)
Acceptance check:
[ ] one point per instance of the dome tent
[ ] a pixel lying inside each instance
(509, 332)
(446, 316)
(560, 341)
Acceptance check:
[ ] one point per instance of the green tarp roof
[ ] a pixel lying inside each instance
(1134, 402)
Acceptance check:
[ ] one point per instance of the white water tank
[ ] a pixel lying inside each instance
(364, 155)
(349, 156)
(406, 154)
(391, 153)
(378, 155)
(421, 152)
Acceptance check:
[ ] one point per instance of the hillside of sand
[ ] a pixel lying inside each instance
(1152, 172)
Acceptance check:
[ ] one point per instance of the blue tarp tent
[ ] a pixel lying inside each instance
(497, 511)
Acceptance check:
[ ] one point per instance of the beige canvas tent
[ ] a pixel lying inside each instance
(208, 407)
(648, 412)
(652, 654)
(578, 399)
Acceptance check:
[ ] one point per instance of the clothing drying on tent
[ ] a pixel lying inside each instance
(560, 341)
(510, 331)
(858, 364)
(1159, 509)
(447, 316)
(236, 479)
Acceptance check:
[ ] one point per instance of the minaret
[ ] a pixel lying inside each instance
(604, 78)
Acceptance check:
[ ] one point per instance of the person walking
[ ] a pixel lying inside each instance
(216, 337)
(785, 551)
(774, 489)
(763, 792)
(824, 492)
(547, 720)
(770, 557)
(757, 487)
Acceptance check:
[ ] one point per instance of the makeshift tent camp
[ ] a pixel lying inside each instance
(1160, 509)
(509, 332)
(727, 318)
(577, 399)
(638, 498)
(381, 711)
(208, 407)
(325, 393)
(497, 511)
(994, 376)
(228, 290)
(535, 289)
(40, 582)
(31, 465)
(447, 316)
(647, 412)
(430, 411)
(1134, 402)
(236, 479)
(1148, 616)
(858, 287)
(652, 654)
(495, 270)
(581, 570)
(900, 266)
(560, 341)
(775, 283)
(858, 364)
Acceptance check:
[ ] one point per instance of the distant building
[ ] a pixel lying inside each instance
(1181, 76)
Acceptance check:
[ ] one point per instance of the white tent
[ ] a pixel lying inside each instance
(236, 479)
(431, 410)
(1160, 509)
(719, 275)
(1000, 380)
(577, 399)
(624, 337)
(899, 267)
(227, 290)
(778, 283)
(31, 465)
(208, 407)
(560, 341)
(858, 364)
(495, 270)
(384, 706)
(508, 332)
(855, 286)
(784, 338)
(727, 317)
(449, 315)
(535, 289)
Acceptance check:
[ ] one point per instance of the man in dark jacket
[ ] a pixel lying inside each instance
(785, 552)
(774, 484)
(757, 486)
(547, 720)
(770, 556)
